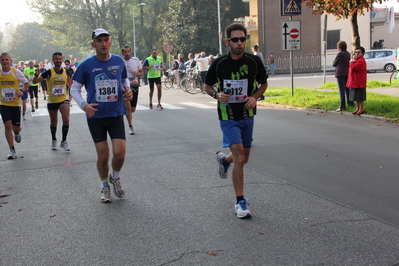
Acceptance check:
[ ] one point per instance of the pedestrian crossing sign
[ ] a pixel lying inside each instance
(291, 7)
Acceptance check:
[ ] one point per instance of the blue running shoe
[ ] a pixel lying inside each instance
(242, 209)
(223, 170)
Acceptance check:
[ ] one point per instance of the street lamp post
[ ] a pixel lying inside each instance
(134, 30)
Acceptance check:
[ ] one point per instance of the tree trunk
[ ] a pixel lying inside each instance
(355, 32)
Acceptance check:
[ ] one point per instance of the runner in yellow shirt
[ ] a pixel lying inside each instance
(10, 92)
(57, 82)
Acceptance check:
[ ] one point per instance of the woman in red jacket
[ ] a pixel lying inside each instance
(357, 79)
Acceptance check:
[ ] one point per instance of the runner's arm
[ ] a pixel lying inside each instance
(76, 91)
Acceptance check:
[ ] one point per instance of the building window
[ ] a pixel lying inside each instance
(333, 37)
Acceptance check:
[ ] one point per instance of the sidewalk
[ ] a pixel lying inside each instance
(387, 91)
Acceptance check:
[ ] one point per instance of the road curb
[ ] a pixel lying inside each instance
(331, 112)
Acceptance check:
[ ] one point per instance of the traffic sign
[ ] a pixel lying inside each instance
(291, 7)
(291, 33)
(168, 48)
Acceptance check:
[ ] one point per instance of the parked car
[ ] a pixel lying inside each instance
(381, 59)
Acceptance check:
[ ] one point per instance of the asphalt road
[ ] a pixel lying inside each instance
(322, 188)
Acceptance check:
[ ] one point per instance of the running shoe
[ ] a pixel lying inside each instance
(223, 170)
(118, 190)
(17, 137)
(150, 105)
(106, 195)
(44, 98)
(33, 109)
(12, 154)
(36, 105)
(23, 117)
(242, 209)
(131, 131)
(64, 145)
(54, 145)
(159, 106)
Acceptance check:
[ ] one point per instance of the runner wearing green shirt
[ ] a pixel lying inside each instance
(33, 88)
(154, 66)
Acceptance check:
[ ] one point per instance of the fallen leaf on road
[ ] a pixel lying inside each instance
(17, 235)
(326, 154)
(261, 233)
(51, 216)
(211, 253)
(3, 196)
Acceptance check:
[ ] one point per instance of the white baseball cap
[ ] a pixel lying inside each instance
(98, 32)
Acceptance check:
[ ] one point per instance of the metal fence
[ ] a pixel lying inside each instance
(302, 63)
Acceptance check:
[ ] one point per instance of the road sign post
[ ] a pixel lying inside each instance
(168, 49)
(291, 34)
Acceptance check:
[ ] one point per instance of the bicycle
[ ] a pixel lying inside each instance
(192, 83)
(394, 78)
(168, 79)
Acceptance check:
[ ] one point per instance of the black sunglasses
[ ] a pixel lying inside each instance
(358, 52)
(236, 39)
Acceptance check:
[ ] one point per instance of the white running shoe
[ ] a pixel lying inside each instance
(131, 131)
(23, 117)
(64, 145)
(54, 145)
(12, 154)
(118, 190)
(17, 137)
(242, 209)
(106, 195)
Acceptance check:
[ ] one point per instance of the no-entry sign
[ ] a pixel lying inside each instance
(291, 34)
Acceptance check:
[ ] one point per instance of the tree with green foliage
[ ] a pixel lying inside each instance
(347, 9)
(31, 41)
(191, 26)
(72, 21)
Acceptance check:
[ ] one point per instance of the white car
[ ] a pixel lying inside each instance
(381, 59)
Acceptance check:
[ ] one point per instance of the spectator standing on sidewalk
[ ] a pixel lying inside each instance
(341, 64)
(241, 79)
(182, 69)
(256, 52)
(357, 80)
(175, 68)
(271, 62)
(203, 64)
